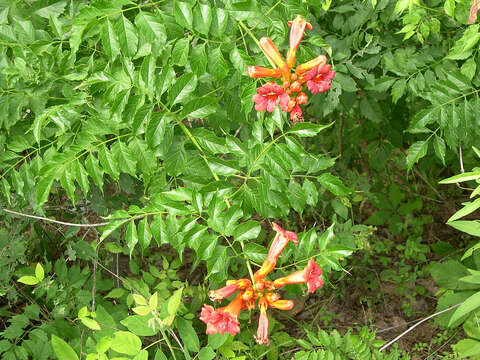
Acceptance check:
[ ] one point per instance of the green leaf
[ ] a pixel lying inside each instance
(470, 227)
(28, 280)
(449, 7)
(152, 27)
(94, 171)
(247, 231)
(206, 353)
(173, 304)
(200, 108)
(220, 21)
(255, 252)
(39, 272)
(180, 52)
(144, 233)
(202, 18)
(43, 188)
(131, 237)
(62, 349)
(54, 9)
(108, 162)
(416, 151)
(464, 46)
(90, 323)
(127, 36)
(398, 89)
(468, 306)
(198, 59)
(467, 209)
(467, 348)
(125, 342)
(156, 127)
(217, 66)
(125, 158)
(440, 148)
(183, 14)
(306, 129)
(109, 40)
(182, 88)
(139, 326)
(240, 60)
(188, 334)
(333, 184)
(473, 175)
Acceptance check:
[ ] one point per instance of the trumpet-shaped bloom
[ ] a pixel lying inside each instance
(297, 29)
(319, 79)
(224, 319)
(260, 292)
(282, 238)
(269, 95)
(309, 65)
(271, 51)
(282, 304)
(261, 72)
(311, 275)
(262, 331)
(226, 291)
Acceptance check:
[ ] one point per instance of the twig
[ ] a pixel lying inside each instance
(54, 221)
(340, 135)
(418, 323)
(461, 157)
(94, 285)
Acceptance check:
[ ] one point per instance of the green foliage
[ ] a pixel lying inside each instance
(139, 115)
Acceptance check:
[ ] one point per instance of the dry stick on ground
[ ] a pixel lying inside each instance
(418, 323)
(54, 221)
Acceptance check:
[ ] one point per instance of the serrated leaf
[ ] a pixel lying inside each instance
(464, 46)
(200, 108)
(125, 158)
(109, 40)
(152, 27)
(108, 162)
(182, 88)
(247, 231)
(440, 148)
(43, 189)
(54, 9)
(217, 66)
(255, 252)
(306, 129)
(144, 233)
(333, 184)
(39, 272)
(180, 52)
(62, 349)
(416, 151)
(183, 14)
(202, 18)
(131, 236)
(127, 36)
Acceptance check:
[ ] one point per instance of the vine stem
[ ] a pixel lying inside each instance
(418, 323)
(249, 32)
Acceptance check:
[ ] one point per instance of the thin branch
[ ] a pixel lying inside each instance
(54, 221)
(418, 323)
(462, 170)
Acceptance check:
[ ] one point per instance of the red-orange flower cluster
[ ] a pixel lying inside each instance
(315, 73)
(261, 292)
